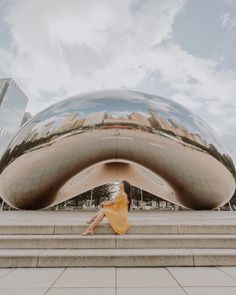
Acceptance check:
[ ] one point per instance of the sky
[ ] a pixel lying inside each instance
(183, 50)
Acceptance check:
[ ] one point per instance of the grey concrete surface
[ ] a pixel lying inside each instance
(153, 278)
(201, 277)
(118, 281)
(87, 277)
(131, 241)
(65, 222)
(170, 238)
(114, 257)
(150, 222)
(27, 279)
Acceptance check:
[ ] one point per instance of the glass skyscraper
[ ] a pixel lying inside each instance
(12, 109)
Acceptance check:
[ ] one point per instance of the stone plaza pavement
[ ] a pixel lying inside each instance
(118, 281)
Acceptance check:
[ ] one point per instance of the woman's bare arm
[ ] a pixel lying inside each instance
(107, 203)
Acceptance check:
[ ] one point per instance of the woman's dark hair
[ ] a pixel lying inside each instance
(127, 189)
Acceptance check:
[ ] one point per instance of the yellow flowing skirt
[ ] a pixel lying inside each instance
(117, 214)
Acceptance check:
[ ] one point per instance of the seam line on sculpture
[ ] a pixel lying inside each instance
(116, 146)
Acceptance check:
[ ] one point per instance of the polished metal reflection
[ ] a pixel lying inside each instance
(87, 140)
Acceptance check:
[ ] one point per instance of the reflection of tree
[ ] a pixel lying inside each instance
(18, 150)
(141, 197)
(101, 193)
(233, 199)
(225, 159)
(13, 153)
(95, 197)
(161, 124)
(104, 192)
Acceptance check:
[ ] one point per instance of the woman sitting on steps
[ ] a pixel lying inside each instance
(116, 212)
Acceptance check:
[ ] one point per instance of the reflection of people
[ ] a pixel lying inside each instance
(116, 212)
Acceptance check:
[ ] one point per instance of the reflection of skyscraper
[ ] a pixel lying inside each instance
(32, 135)
(142, 120)
(25, 134)
(26, 118)
(120, 121)
(176, 127)
(71, 121)
(95, 119)
(182, 131)
(159, 121)
(47, 129)
(12, 108)
(179, 129)
(176, 124)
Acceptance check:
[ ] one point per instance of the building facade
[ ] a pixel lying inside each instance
(13, 103)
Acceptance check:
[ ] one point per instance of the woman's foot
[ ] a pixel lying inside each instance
(91, 220)
(88, 232)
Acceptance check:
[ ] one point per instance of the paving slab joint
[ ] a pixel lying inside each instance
(37, 262)
(53, 284)
(177, 229)
(193, 257)
(167, 268)
(225, 273)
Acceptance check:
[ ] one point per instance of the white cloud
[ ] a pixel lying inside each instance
(229, 1)
(228, 22)
(199, 80)
(64, 47)
(82, 45)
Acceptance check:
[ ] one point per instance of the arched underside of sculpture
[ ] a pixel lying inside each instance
(57, 171)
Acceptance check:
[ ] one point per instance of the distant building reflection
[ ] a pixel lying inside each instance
(112, 126)
(73, 122)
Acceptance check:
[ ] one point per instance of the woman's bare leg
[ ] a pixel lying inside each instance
(95, 223)
(100, 215)
(94, 216)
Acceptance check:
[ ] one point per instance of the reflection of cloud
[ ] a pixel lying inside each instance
(123, 114)
(162, 105)
(120, 103)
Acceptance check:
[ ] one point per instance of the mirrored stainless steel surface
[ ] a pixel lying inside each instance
(87, 140)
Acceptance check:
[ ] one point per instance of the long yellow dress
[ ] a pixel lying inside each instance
(117, 214)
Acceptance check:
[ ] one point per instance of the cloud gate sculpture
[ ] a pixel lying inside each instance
(104, 136)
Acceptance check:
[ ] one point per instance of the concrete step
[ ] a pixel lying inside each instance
(116, 257)
(177, 241)
(105, 229)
